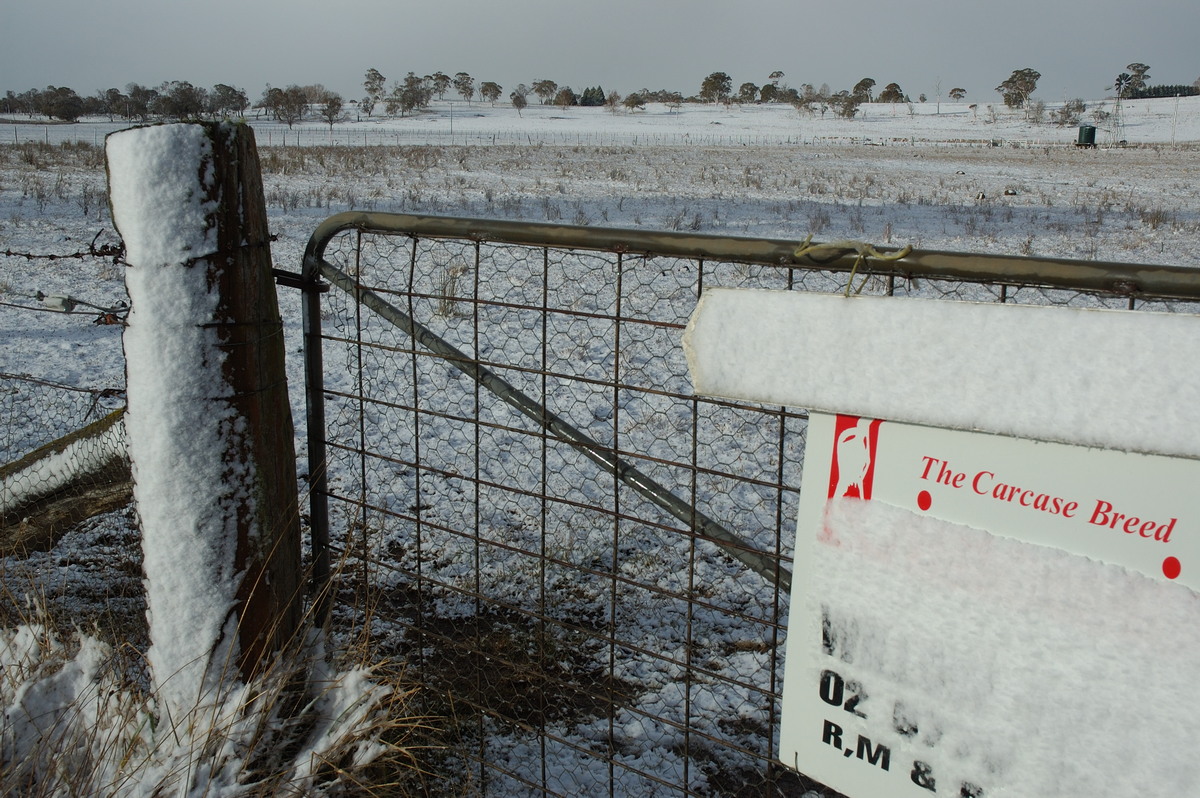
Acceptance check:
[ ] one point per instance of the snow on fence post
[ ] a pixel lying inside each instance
(209, 423)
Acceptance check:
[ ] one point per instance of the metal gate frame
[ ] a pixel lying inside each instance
(965, 276)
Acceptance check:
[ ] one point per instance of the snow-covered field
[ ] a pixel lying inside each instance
(1163, 121)
(950, 181)
(1033, 195)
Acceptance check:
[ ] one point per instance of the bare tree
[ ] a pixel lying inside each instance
(314, 93)
(1069, 113)
(612, 101)
(1035, 111)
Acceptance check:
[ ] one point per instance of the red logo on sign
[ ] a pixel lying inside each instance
(855, 441)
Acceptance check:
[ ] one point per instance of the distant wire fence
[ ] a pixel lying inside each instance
(399, 136)
(62, 445)
(273, 134)
(585, 565)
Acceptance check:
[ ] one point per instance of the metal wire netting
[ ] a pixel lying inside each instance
(36, 411)
(495, 413)
(62, 447)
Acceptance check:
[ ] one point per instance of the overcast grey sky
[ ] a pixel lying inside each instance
(1079, 46)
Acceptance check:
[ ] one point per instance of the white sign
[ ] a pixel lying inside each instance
(886, 626)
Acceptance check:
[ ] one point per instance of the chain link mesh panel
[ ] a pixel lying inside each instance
(62, 447)
(574, 632)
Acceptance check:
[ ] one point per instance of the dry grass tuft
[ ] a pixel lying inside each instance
(79, 719)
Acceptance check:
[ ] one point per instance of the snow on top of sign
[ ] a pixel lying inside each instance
(1106, 378)
(1024, 669)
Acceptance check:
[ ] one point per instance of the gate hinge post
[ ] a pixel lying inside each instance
(294, 280)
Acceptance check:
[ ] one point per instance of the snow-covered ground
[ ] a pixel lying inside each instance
(1160, 121)
(952, 181)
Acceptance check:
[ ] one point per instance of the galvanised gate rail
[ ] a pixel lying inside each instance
(515, 493)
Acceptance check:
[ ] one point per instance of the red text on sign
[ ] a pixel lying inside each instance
(944, 474)
(984, 483)
(1105, 515)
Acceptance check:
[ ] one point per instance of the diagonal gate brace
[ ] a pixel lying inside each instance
(760, 562)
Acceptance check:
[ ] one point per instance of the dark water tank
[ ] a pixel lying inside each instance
(1087, 136)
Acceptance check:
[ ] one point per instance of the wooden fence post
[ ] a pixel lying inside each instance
(188, 201)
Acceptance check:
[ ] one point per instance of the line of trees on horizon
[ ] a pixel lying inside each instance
(181, 100)
(176, 99)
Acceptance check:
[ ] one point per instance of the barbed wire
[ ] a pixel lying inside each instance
(62, 303)
(65, 303)
(114, 251)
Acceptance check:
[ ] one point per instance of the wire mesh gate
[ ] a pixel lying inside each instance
(584, 565)
(61, 446)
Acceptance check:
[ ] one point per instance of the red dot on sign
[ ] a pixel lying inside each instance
(924, 500)
(1171, 568)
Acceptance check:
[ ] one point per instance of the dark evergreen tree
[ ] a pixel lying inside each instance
(592, 97)
(1176, 90)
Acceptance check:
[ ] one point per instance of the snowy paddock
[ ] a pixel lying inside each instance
(589, 643)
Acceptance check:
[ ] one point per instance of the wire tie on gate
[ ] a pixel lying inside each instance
(834, 249)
